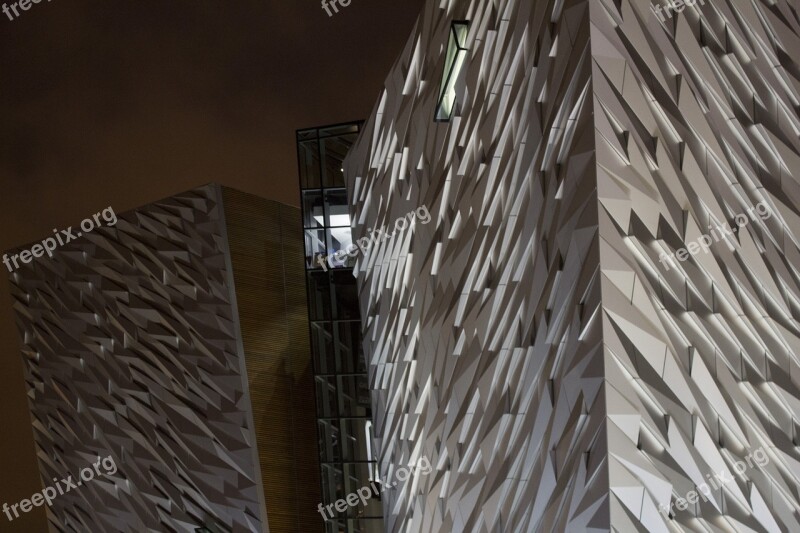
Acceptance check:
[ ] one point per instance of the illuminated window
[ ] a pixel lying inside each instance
(456, 54)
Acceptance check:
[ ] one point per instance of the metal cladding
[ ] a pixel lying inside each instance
(482, 331)
(130, 336)
(697, 144)
(598, 329)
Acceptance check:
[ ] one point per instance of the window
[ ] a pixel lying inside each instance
(454, 61)
(340, 368)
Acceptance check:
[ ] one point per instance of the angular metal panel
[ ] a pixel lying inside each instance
(698, 144)
(132, 349)
(481, 326)
(535, 339)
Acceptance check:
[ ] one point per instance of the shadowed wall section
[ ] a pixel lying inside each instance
(267, 253)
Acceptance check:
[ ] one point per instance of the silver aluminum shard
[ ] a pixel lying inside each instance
(586, 337)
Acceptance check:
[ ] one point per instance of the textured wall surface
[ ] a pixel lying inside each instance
(481, 327)
(267, 255)
(696, 122)
(130, 342)
(535, 340)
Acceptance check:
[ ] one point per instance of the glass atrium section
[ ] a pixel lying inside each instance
(456, 54)
(344, 416)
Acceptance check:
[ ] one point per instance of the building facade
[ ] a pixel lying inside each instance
(175, 343)
(344, 414)
(266, 259)
(599, 329)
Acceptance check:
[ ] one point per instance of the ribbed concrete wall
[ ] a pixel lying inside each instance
(266, 246)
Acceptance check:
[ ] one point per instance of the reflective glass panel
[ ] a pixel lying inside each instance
(356, 475)
(316, 249)
(340, 239)
(313, 213)
(327, 406)
(334, 150)
(454, 61)
(345, 296)
(349, 347)
(309, 161)
(366, 525)
(354, 396)
(322, 346)
(338, 213)
(330, 441)
(332, 483)
(354, 439)
(319, 296)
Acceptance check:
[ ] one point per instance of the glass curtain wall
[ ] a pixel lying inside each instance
(343, 401)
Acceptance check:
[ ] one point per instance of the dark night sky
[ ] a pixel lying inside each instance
(122, 103)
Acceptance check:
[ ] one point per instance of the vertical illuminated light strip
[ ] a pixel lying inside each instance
(456, 54)
(373, 460)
